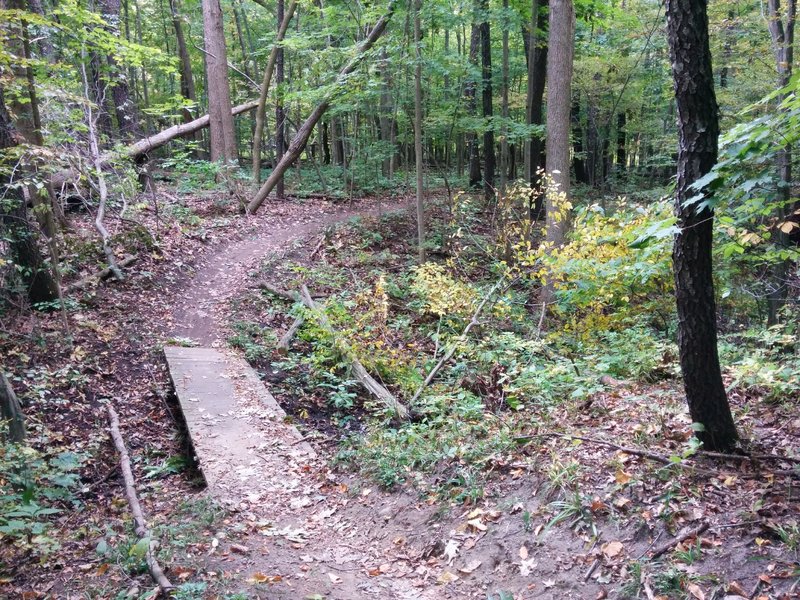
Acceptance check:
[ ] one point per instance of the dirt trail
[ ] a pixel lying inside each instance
(218, 278)
(322, 535)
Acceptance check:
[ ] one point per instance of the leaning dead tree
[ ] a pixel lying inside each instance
(261, 111)
(304, 132)
(140, 525)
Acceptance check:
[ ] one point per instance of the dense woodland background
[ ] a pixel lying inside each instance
(575, 169)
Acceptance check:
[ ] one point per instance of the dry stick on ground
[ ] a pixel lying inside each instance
(133, 501)
(681, 538)
(360, 373)
(660, 458)
(101, 274)
(472, 322)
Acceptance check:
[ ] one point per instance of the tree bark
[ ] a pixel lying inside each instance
(559, 101)
(504, 159)
(300, 139)
(537, 75)
(781, 29)
(280, 114)
(488, 134)
(11, 412)
(698, 129)
(418, 131)
(187, 79)
(470, 90)
(261, 109)
(221, 129)
(40, 284)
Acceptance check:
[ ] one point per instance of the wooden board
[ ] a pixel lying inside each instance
(244, 446)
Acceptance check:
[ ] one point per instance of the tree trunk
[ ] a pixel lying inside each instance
(470, 90)
(418, 131)
(578, 162)
(221, 129)
(39, 282)
(261, 111)
(559, 101)
(504, 106)
(537, 75)
(781, 29)
(280, 115)
(488, 134)
(187, 80)
(11, 412)
(304, 131)
(622, 142)
(698, 129)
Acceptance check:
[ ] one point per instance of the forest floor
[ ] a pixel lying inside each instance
(559, 513)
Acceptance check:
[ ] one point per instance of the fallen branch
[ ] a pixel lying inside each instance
(472, 322)
(133, 501)
(152, 142)
(286, 339)
(360, 373)
(659, 458)
(681, 538)
(750, 457)
(101, 274)
(281, 293)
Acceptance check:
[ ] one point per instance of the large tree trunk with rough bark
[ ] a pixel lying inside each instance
(698, 128)
(470, 90)
(222, 132)
(559, 100)
(40, 285)
(488, 134)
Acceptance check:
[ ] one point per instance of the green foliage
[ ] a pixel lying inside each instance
(34, 486)
(257, 341)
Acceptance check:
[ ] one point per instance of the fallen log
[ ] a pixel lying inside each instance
(286, 338)
(140, 525)
(101, 274)
(360, 373)
(152, 142)
(304, 132)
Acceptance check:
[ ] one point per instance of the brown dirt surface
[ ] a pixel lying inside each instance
(333, 535)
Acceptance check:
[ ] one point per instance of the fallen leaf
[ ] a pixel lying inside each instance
(548, 583)
(477, 524)
(696, 591)
(334, 578)
(523, 552)
(526, 567)
(470, 567)
(446, 577)
(261, 578)
(622, 477)
(735, 588)
(101, 570)
(451, 550)
(612, 549)
(240, 549)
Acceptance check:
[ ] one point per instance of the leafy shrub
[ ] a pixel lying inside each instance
(32, 487)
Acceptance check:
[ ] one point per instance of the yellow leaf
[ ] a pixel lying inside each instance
(622, 477)
(447, 577)
(261, 578)
(788, 226)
